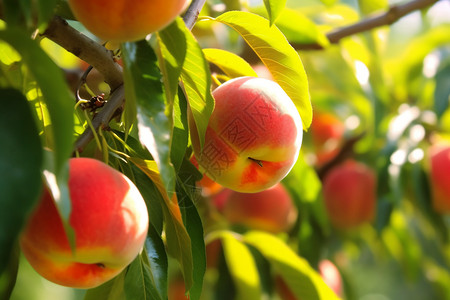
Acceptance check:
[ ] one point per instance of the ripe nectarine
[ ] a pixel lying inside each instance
(440, 178)
(349, 192)
(253, 136)
(270, 210)
(122, 20)
(331, 276)
(327, 132)
(110, 221)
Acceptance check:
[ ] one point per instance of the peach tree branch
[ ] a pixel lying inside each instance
(392, 15)
(60, 32)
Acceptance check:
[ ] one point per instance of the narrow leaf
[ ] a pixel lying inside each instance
(242, 267)
(111, 290)
(178, 240)
(172, 47)
(142, 79)
(21, 163)
(191, 218)
(139, 281)
(196, 79)
(59, 103)
(274, 8)
(301, 278)
(277, 54)
(231, 64)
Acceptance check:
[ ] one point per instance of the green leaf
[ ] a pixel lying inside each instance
(21, 166)
(111, 290)
(242, 267)
(8, 276)
(231, 64)
(142, 80)
(196, 79)
(275, 52)
(177, 238)
(25, 13)
(59, 102)
(180, 133)
(139, 281)
(186, 193)
(298, 28)
(157, 260)
(172, 46)
(301, 278)
(442, 90)
(274, 8)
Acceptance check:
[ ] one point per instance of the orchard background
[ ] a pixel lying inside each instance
(374, 81)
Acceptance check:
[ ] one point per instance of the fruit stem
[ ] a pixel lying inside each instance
(257, 161)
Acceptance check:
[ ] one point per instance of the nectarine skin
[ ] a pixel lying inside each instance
(123, 20)
(271, 210)
(253, 137)
(349, 192)
(440, 178)
(331, 276)
(110, 221)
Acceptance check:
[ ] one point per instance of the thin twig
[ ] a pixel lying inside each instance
(85, 48)
(392, 15)
(191, 15)
(102, 119)
(102, 59)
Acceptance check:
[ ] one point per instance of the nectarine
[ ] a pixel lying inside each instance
(331, 276)
(349, 192)
(270, 210)
(110, 221)
(440, 178)
(253, 137)
(122, 20)
(327, 132)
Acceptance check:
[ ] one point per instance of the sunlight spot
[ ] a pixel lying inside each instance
(431, 64)
(362, 72)
(416, 155)
(352, 122)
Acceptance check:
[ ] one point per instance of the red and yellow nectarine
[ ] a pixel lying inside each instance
(270, 210)
(253, 137)
(349, 192)
(327, 133)
(110, 221)
(440, 177)
(331, 276)
(122, 20)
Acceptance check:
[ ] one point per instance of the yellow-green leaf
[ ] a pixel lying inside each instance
(242, 267)
(300, 277)
(177, 237)
(231, 64)
(277, 54)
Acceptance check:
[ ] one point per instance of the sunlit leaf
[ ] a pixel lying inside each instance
(196, 79)
(180, 134)
(274, 8)
(371, 6)
(298, 28)
(242, 267)
(279, 57)
(143, 86)
(231, 64)
(21, 159)
(173, 46)
(178, 240)
(59, 103)
(186, 192)
(300, 277)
